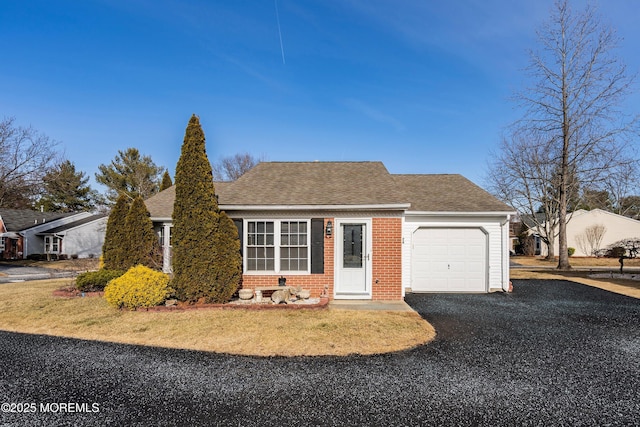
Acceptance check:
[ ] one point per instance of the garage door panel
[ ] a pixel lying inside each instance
(449, 260)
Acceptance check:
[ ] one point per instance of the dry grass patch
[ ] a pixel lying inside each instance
(29, 307)
(536, 261)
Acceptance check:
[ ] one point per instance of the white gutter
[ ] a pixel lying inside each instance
(461, 213)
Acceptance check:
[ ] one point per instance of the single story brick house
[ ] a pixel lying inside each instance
(354, 231)
(25, 232)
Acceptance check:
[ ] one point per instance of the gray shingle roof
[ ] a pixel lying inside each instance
(22, 219)
(447, 193)
(314, 183)
(342, 184)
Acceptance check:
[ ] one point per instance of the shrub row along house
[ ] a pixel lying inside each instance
(27, 233)
(352, 230)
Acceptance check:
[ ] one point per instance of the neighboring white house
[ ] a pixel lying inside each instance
(83, 237)
(25, 232)
(613, 228)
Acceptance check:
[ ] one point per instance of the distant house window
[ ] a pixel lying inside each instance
(289, 251)
(52, 244)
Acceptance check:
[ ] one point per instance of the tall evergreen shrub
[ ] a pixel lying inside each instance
(195, 219)
(113, 249)
(228, 265)
(141, 245)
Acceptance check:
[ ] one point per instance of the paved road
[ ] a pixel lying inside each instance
(551, 353)
(10, 273)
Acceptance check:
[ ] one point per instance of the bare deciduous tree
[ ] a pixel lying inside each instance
(572, 109)
(621, 182)
(589, 241)
(26, 155)
(233, 167)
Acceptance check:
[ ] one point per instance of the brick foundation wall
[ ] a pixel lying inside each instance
(387, 259)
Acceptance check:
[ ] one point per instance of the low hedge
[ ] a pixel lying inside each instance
(95, 281)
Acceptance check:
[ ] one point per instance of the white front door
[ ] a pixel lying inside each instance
(353, 259)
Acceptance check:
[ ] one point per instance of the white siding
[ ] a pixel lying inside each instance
(497, 249)
(34, 244)
(86, 240)
(617, 227)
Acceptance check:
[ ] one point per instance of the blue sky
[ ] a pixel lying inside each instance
(423, 86)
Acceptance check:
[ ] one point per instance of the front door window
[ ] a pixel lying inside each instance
(352, 246)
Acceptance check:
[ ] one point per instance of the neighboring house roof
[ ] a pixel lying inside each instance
(447, 193)
(346, 184)
(22, 219)
(62, 228)
(533, 221)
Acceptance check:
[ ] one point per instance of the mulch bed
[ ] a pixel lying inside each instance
(323, 303)
(75, 293)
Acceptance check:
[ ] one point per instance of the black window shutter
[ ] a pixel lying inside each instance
(317, 245)
(238, 223)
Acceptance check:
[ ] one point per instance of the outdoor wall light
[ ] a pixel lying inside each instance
(329, 229)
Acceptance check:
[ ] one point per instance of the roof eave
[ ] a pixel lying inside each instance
(461, 213)
(365, 207)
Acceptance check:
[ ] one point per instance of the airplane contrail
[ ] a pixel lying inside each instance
(275, 2)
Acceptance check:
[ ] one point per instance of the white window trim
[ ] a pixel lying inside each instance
(276, 240)
(49, 244)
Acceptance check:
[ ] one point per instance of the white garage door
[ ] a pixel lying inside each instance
(449, 260)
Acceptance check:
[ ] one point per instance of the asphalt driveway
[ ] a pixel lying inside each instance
(551, 353)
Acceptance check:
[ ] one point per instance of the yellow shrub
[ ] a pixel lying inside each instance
(138, 287)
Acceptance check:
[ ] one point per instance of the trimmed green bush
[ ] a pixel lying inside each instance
(571, 251)
(113, 250)
(141, 242)
(138, 287)
(95, 281)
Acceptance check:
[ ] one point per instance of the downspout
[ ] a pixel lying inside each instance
(24, 244)
(505, 254)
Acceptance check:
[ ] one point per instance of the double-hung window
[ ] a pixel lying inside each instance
(51, 244)
(277, 246)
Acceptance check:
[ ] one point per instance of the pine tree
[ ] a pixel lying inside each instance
(113, 251)
(66, 190)
(141, 244)
(195, 219)
(166, 181)
(130, 173)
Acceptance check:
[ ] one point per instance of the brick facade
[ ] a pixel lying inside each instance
(386, 282)
(387, 259)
